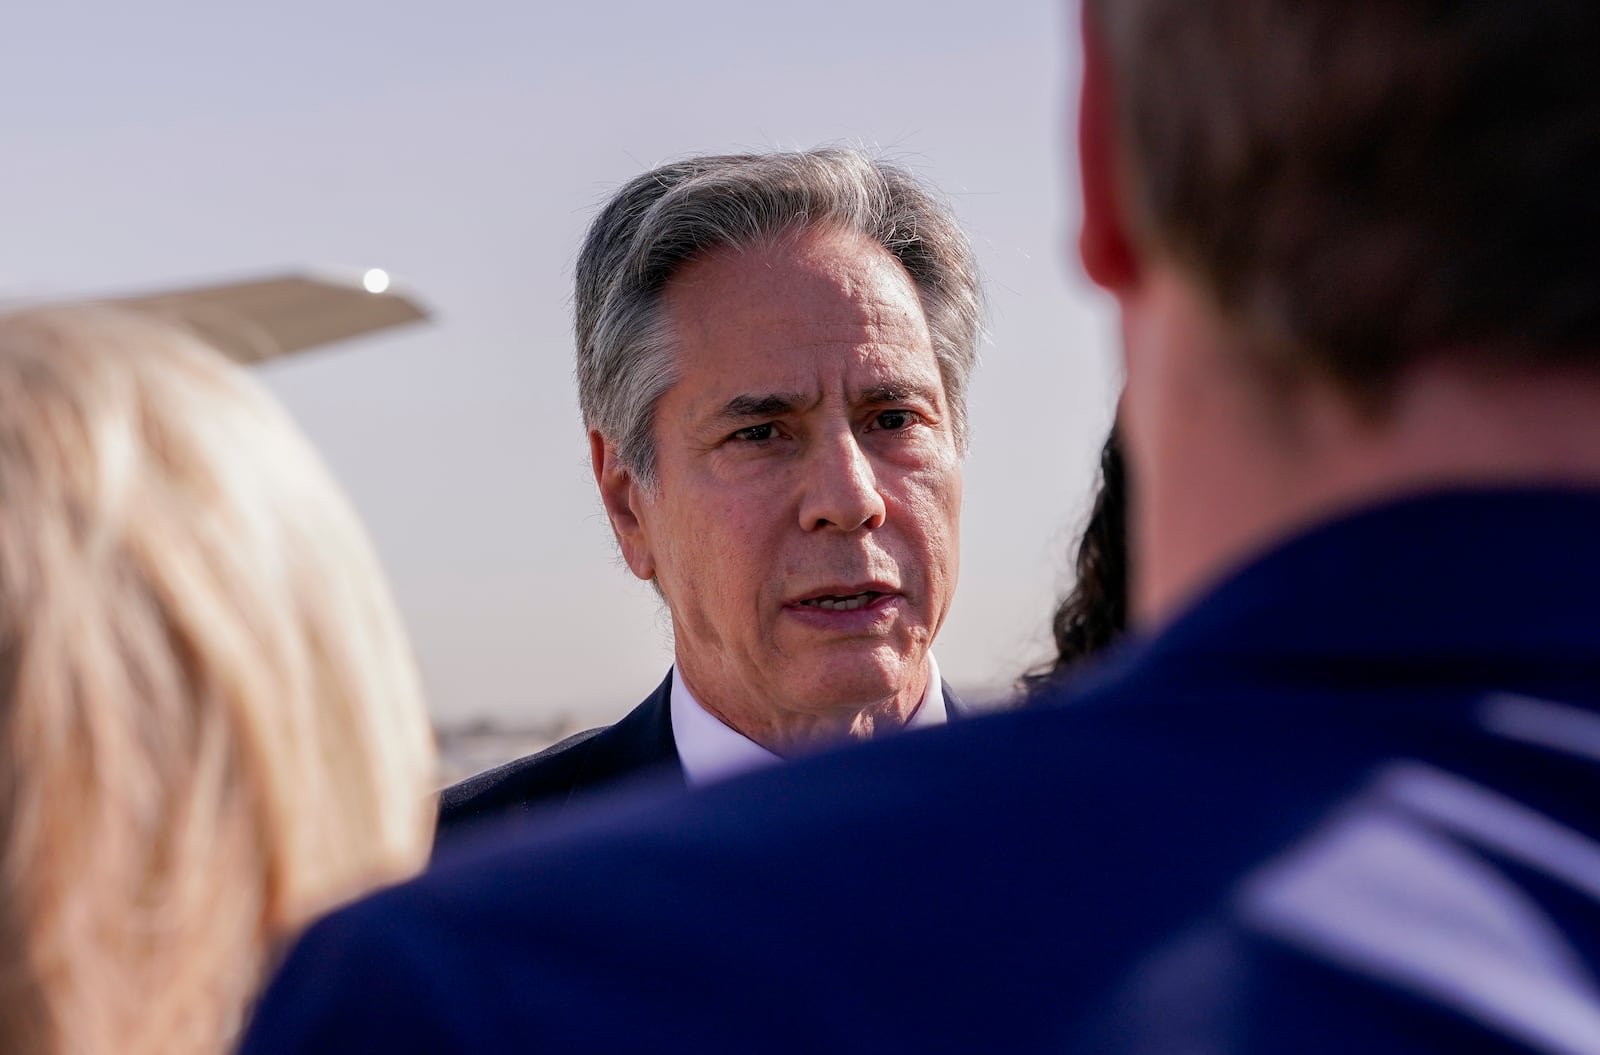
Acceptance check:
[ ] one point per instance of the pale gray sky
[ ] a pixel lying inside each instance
(464, 148)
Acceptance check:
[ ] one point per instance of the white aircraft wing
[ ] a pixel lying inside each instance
(271, 317)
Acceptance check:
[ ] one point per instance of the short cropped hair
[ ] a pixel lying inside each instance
(663, 219)
(1365, 182)
(211, 727)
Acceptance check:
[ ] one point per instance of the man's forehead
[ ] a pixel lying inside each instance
(881, 387)
(774, 385)
(791, 323)
(823, 285)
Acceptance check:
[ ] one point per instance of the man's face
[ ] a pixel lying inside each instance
(804, 529)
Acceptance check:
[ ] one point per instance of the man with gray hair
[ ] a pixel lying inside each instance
(773, 355)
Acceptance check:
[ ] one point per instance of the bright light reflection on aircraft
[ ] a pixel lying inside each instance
(266, 318)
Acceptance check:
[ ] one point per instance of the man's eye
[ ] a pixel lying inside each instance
(755, 433)
(895, 420)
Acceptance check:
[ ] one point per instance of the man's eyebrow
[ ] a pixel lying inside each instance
(768, 405)
(898, 392)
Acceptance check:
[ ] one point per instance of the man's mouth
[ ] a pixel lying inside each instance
(842, 604)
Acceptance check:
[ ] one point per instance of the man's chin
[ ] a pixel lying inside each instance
(870, 679)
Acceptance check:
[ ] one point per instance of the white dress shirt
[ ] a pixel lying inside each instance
(710, 750)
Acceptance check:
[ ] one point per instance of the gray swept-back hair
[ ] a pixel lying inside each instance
(668, 216)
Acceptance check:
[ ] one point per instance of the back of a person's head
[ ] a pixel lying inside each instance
(1364, 182)
(210, 723)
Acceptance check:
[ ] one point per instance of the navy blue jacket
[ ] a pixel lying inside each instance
(1348, 802)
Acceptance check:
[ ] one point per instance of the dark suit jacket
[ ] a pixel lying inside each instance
(1348, 803)
(637, 749)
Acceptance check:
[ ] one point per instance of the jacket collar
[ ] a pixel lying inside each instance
(640, 742)
(1459, 578)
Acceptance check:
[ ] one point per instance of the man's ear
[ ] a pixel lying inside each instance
(1104, 244)
(622, 496)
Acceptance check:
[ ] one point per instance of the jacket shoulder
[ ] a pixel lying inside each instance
(518, 785)
(584, 762)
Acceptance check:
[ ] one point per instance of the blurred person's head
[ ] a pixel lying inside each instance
(1094, 613)
(773, 358)
(1353, 244)
(210, 723)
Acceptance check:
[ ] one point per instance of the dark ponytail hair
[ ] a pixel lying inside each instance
(1095, 612)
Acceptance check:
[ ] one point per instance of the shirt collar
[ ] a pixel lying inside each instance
(930, 711)
(710, 750)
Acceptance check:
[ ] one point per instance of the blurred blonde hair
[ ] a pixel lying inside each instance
(211, 726)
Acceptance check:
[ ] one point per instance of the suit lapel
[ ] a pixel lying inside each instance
(955, 708)
(640, 743)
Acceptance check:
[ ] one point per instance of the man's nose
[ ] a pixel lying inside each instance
(841, 487)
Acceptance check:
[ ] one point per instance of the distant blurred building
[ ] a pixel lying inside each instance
(472, 747)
